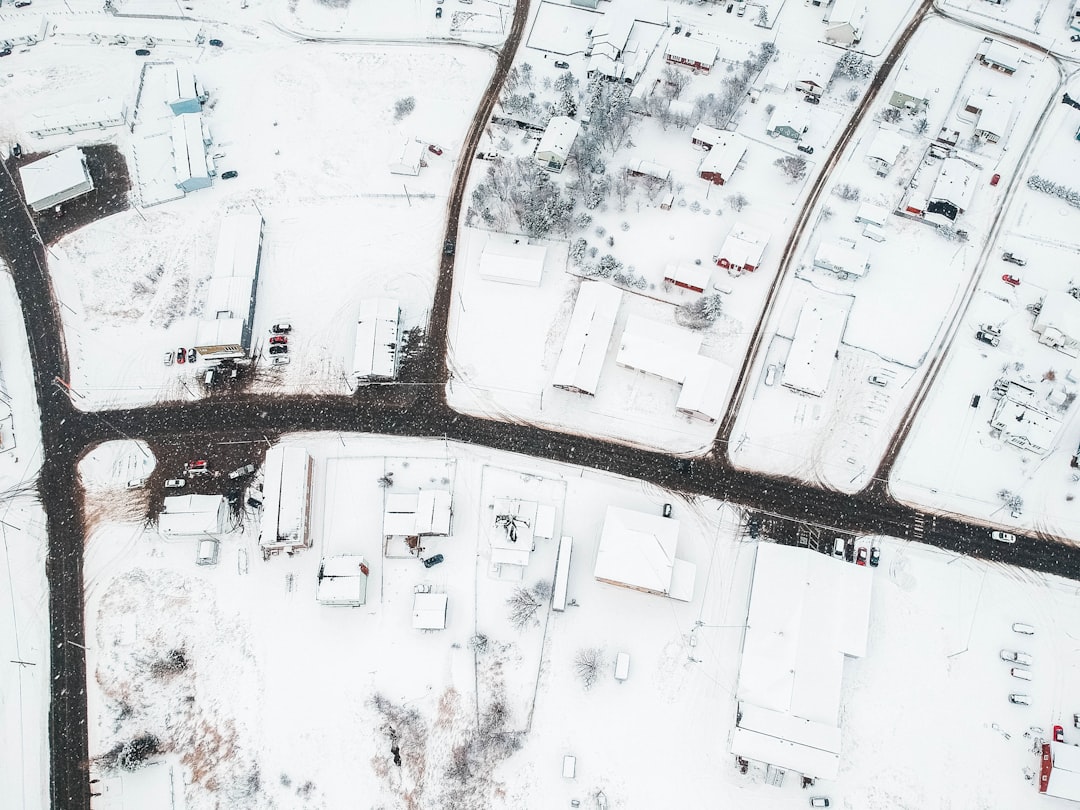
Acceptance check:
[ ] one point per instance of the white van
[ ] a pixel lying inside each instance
(1023, 629)
(207, 552)
(838, 548)
(622, 666)
(1022, 674)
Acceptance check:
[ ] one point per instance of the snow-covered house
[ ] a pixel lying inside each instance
(182, 92)
(288, 472)
(953, 190)
(193, 516)
(692, 277)
(429, 611)
(789, 120)
(1074, 16)
(55, 179)
(742, 250)
(844, 22)
(1023, 420)
(408, 159)
(224, 331)
(813, 347)
(637, 551)
(378, 336)
(870, 214)
(706, 136)
(104, 113)
(190, 137)
(796, 643)
(1059, 771)
(1058, 322)
(611, 33)
(698, 54)
(814, 74)
(723, 158)
(587, 337)
(426, 513)
(512, 533)
(705, 388)
(513, 261)
(998, 55)
(556, 142)
(342, 581)
(660, 349)
(887, 147)
(909, 92)
(648, 170)
(843, 259)
(993, 115)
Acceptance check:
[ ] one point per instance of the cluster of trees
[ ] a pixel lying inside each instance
(853, 66)
(519, 195)
(1069, 195)
(702, 313)
(718, 108)
(793, 166)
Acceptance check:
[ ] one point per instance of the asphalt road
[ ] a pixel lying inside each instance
(415, 410)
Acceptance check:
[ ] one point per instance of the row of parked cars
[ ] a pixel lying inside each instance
(1021, 661)
(845, 550)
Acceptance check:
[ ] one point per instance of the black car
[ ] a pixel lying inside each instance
(988, 339)
(438, 13)
(142, 52)
(279, 349)
(562, 65)
(875, 556)
(448, 247)
(217, 43)
(229, 175)
(191, 356)
(811, 99)
(807, 149)
(667, 510)
(16, 151)
(5, 52)
(1074, 38)
(431, 562)
(22, 3)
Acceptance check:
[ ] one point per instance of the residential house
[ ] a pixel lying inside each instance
(843, 259)
(742, 250)
(953, 190)
(814, 74)
(693, 53)
(693, 277)
(637, 551)
(1025, 421)
(844, 22)
(721, 161)
(556, 142)
(706, 136)
(1058, 322)
(789, 120)
(649, 170)
(993, 115)
(909, 92)
(885, 150)
(998, 55)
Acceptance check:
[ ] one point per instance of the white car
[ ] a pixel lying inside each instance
(1023, 629)
(1003, 537)
(1015, 657)
(175, 483)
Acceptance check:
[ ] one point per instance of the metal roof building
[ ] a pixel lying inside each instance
(55, 179)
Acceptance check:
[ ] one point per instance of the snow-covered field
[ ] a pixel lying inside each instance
(275, 703)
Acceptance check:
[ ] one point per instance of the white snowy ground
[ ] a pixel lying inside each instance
(24, 602)
(310, 128)
(1045, 22)
(1042, 230)
(274, 708)
(901, 310)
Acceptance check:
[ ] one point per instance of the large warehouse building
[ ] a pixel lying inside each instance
(286, 516)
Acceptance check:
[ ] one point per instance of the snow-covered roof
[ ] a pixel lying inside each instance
(887, 146)
(429, 611)
(189, 149)
(286, 497)
(688, 275)
(407, 158)
(956, 183)
(911, 84)
(1002, 54)
(689, 49)
(587, 337)
(376, 345)
(725, 155)
(239, 245)
(994, 115)
(1059, 311)
(524, 525)
(875, 214)
(637, 549)
(813, 348)
(807, 611)
(816, 69)
(56, 174)
(1064, 777)
(649, 169)
(191, 515)
(558, 137)
(179, 84)
(706, 134)
(342, 580)
(847, 11)
(842, 258)
(213, 332)
(605, 65)
(788, 113)
(657, 348)
(512, 261)
(705, 389)
(744, 245)
(105, 112)
(426, 512)
(1025, 421)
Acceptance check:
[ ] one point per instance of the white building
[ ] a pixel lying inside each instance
(429, 611)
(342, 581)
(587, 337)
(663, 350)
(224, 331)
(104, 113)
(723, 158)
(1059, 773)
(648, 170)
(193, 516)
(999, 56)
(693, 277)
(1058, 322)
(378, 335)
(993, 114)
(55, 179)
(427, 513)
(885, 150)
(698, 54)
(408, 159)
(742, 249)
(870, 214)
(706, 136)
(814, 346)
(556, 142)
(511, 536)
(637, 551)
(808, 614)
(190, 137)
(24, 29)
(513, 262)
(705, 388)
(842, 258)
(815, 73)
(845, 21)
(953, 190)
(288, 472)
(1024, 421)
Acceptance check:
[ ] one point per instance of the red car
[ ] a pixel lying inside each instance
(196, 465)
(279, 339)
(861, 558)
(995, 179)
(1059, 734)
(1012, 281)
(435, 150)
(181, 355)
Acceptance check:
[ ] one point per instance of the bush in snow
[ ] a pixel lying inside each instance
(625, 226)
(695, 206)
(846, 191)
(587, 665)
(737, 202)
(131, 754)
(404, 106)
(609, 265)
(793, 166)
(890, 115)
(1071, 196)
(853, 66)
(700, 314)
(921, 126)
(853, 94)
(577, 252)
(583, 220)
(601, 230)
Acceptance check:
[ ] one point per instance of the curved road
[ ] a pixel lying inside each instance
(405, 410)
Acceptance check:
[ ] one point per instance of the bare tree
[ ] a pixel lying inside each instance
(524, 603)
(587, 665)
(793, 166)
(738, 201)
(674, 81)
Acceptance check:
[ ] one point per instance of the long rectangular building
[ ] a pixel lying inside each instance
(587, 337)
(375, 353)
(225, 329)
(287, 476)
(813, 349)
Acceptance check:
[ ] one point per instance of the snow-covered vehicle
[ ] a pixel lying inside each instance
(1015, 657)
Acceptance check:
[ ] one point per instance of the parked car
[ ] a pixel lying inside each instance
(1012, 281)
(990, 328)
(1019, 700)
(810, 98)
(566, 65)
(1059, 734)
(239, 472)
(1020, 673)
(279, 339)
(199, 467)
(1074, 38)
(875, 556)
(819, 801)
(16, 151)
(988, 339)
(175, 483)
(1023, 629)
(995, 179)
(1013, 259)
(22, 3)
(181, 355)
(279, 349)
(230, 174)
(860, 559)
(807, 149)
(874, 379)
(142, 51)
(1015, 657)
(281, 328)
(217, 43)
(838, 548)
(438, 13)
(135, 483)
(741, 10)
(282, 360)
(448, 247)
(5, 52)
(1003, 537)
(667, 510)
(168, 358)
(431, 562)
(191, 356)
(770, 374)
(207, 552)
(435, 150)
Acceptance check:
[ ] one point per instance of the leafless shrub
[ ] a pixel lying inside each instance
(525, 602)
(793, 166)
(131, 754)
(738, 202)
(587, 665)
(846, 191)
(175, 661)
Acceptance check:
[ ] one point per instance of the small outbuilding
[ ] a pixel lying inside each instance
(513, 261)
(649, 170)
(55, 179)
(342, 581)
(693, 277)
(843, 259)
(705, 388)
(887, 147)
(556, 142)
(429, 611)
(705, 136)
(408, 159)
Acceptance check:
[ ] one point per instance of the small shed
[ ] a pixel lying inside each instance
(513, 262)
(342, 581)
(55, 179)
(408, 159)
(692, 277)
(909, 92)
(556, 142)
(870, 214)
(429, 611)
